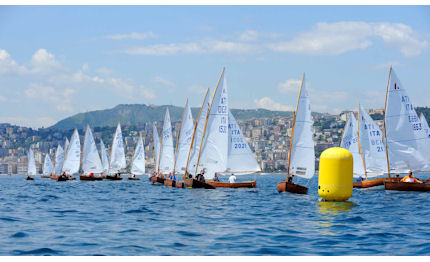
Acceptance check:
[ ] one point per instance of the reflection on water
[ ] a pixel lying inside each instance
(328, 210)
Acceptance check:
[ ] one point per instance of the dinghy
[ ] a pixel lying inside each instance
(154, 178)
(48, 167)
(301, 155)
(72, 159)
(167, 157)
(117, 156)
(91, 163)
(405, 186)
(241, 160)
(138, 162)
(31, 166)
(105, 159)
(59, 157)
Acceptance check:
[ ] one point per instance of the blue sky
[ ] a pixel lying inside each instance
(59, 61)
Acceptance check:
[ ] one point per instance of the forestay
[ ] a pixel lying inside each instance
(403, 129)
(240, 157)
(48, 167)
(156, 146)
(350, 142)
(91, 162)
(72, 159)
(105, 159)
(302, 149)
(214, 151)
(167, 156)
(138, 164)
(117, 155)
(31, 169)
(184, 141)
(59, 157)
(372, 147)
(198, 134)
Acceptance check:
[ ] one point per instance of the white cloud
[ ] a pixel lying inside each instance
(2, 99)
(44, 62)
(386, 65)
(289, 86)
(163, 81)
(134, 35)
(196, 89)
(270, 104)
(8, 65)
(60, 98)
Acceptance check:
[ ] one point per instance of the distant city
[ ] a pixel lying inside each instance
(268, 137)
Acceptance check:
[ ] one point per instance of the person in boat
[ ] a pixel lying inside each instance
(290, 179)
(133, 176)
(91, 175)
(201, 177)
(360, 179)
(411, 179)
(216, 179)
(117, 175)
(64, 175)
(232, 179)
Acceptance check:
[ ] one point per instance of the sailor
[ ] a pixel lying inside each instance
(216, 179)
(201, 177)
(411, 179)
(232, 179)
(360, 178)
(290, 179)
(91, 175)
(133, 176)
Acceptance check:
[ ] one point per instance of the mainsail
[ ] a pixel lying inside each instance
(302, 152)
(105, 159)
(31, 169)
(198, 134)
(184, 140)
(48, 167)
(66, 145)
(117, 155)
(138, 163)
(372, 147)
(59, 157)
(72, 158)
(156, 146)
(403, 129)
(214, 148)
(350, 142)
(167, 157)
(240, 157)
(90, 156)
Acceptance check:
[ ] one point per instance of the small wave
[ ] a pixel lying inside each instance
(189, 234)
(128, 231)
(9, 219)
(19, 235)
(39, 251)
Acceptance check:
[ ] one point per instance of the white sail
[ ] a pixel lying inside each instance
(167, 156)
(105, 159)
(156, 146)
(424, 144)
(138, 164)
(350, 142)
(72, 159)
(214, 148)
(302, 161)
(48, 167)
(59, 157)
(184, 141)
(240, 157)
(117, 155)
(66, 145)
(198, 134)
(31, 169)
(91, 162)
(372, 147)
(403, 130)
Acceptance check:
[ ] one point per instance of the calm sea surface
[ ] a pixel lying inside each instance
(45, 217)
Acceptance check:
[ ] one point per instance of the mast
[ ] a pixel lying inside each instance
(292, 131)
(194, 133)
(206, 122)
(384, 125)
(177, 138)
(359, 145)
(153, 137)
(161, 147)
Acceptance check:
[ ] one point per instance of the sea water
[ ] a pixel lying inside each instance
(45, 217)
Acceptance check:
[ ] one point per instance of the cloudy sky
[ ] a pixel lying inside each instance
(59, 61)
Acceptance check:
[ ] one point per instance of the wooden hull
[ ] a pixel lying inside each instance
(246, 184)
(133, 178)
(157, 179)
(404, 186)
(89, 178)
(375, 182)
(193, 183)
(168, 182)
(180, 184)
(113, 178)
(54, 177)
(61, 179)
(45, 176)
(29, 178)
(292, 188)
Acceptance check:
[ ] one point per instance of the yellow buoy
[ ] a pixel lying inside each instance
(335, 174)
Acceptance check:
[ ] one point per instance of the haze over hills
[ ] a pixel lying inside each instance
(130, 114)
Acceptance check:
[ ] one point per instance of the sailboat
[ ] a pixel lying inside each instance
(183, 143)
(72, 159)
(154, 178)
(241, 160)
(59, 157)
(138, 162)
(105, 159)
(117, 156)
(167, 158)
(301, 155)
(404, 136)
(213, 153)
(91, 162)
(48, 167)
(31, 168)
